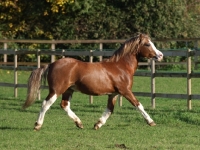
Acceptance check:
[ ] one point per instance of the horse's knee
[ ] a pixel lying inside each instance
(63, 104)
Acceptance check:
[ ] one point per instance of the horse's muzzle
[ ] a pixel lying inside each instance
(158, 57)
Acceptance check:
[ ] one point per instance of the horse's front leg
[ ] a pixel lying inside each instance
(132, 99)
(109, 110)
(146, 115)
(65, 105)
(51, 98)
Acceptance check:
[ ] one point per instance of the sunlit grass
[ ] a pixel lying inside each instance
(177, 128)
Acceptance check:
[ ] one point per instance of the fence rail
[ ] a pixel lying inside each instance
(52, 43)
(153, 74)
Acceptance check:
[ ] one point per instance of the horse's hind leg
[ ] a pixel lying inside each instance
(51, 98)
(65, 104)
(109, 110)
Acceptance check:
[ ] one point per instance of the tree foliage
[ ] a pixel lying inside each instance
(98, 19)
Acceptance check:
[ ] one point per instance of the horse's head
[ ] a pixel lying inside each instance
(147, 49)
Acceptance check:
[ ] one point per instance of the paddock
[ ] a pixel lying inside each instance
(152, 73)
(125, 127)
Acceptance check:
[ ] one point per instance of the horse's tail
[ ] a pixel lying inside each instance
(34, 83)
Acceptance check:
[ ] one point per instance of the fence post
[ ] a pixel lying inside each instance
(63, 53)
(53, 47)
(91, 60)
(5, 47)
(15, 73)
(38, 66)
(120, 100)
(189, 101)
(149, 64)
(38, 58)
(153, 83)
(100, 49)
(195, 56)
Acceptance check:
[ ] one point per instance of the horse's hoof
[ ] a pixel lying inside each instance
(96, 127)
(152, 124)
(37, 127)
(79, 125)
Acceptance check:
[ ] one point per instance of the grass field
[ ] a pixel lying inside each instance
(177, 128)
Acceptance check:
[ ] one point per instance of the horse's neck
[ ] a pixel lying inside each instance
(130, 62)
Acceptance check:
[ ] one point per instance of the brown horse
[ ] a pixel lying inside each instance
(111, 77)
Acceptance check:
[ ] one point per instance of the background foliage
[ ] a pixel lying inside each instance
(98, 19)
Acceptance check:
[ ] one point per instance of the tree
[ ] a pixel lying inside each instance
(98, 19)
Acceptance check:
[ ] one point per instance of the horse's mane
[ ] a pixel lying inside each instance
(130, 46)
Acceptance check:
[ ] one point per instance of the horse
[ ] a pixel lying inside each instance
(111, 77)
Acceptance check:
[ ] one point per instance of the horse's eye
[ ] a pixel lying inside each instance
(147, 44)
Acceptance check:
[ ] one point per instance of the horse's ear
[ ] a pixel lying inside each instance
(141, 38)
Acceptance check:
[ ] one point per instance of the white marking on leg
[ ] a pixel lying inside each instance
(104, 117)
(144, 114)
(71, 114)
(45, 106)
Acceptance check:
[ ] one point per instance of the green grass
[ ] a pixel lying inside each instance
(177, 128)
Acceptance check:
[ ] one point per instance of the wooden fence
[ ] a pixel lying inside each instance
(53, 43)
(153, 74)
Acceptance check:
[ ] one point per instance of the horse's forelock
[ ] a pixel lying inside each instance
(142, 38)
(133, 44)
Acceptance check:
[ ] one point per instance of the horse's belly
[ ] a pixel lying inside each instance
(92, 89)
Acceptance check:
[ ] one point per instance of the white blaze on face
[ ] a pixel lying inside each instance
(158, 53)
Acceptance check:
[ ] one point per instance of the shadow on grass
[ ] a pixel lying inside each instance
(18, 108)
(14, 128)
(188, 117)
(88, 108)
